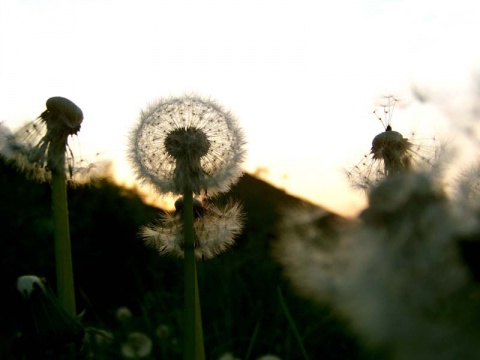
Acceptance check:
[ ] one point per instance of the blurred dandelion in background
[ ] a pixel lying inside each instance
(187, 142)
(307, 248)
(123, 314)
(398, 274)
(228, 356)
(136, 346)
(215, 229)
(269, 357)
(407, 286)
(391, 153)
(163, 331)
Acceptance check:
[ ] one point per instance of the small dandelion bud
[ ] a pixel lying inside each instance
(215, 230)
(187, 143)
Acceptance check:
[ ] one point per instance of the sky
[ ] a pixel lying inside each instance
(302, 77)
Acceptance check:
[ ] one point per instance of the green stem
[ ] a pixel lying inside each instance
(63, 253)
(193, 334)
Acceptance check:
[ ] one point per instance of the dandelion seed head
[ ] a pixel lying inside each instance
(123, 314)
(187, 142)
(215, 227)
(228, 356)
(137, 345)
(163, 331)
(392, 153)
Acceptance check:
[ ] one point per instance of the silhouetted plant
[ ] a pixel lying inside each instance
(184, 146)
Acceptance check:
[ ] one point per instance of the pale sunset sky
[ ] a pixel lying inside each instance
(302, 77)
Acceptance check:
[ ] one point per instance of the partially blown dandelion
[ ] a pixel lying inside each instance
(41, 150)
(187, 142)
(41, 147)
(391, 153)
(215, 230)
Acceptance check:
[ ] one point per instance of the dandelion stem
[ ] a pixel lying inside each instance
(193, 335)
(63, 255)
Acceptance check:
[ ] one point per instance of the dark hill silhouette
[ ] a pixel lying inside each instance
(114, 268)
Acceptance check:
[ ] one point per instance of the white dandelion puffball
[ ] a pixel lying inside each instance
(187, 143)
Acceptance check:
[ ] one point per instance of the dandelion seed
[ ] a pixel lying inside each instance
(215, 230)
(391, 153)
(187, 142)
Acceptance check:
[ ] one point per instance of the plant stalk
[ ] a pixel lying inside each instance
(63, 253)
(193, 334)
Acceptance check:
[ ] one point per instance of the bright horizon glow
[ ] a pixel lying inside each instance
(302, 77)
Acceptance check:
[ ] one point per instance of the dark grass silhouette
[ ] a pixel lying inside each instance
(114, 268)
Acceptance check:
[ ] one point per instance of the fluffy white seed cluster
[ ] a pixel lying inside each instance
(215, 229)
(187, 143)
(398, 274)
